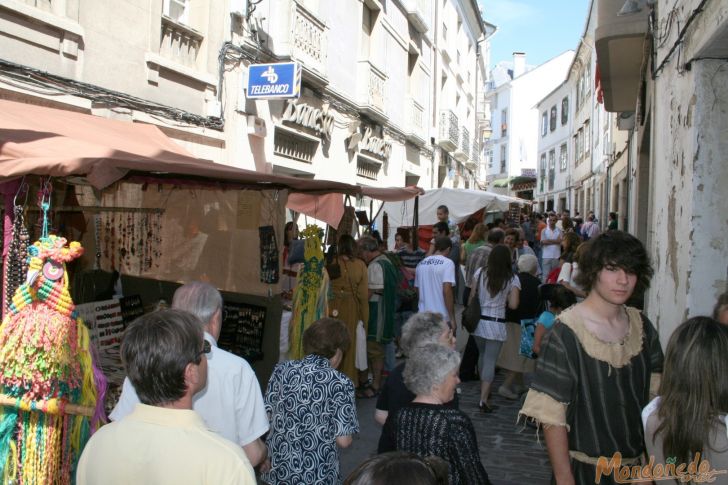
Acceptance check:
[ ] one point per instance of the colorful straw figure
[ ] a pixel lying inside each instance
(47, 377)
(310, 300)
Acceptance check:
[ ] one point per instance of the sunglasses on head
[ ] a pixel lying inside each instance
(206, 348)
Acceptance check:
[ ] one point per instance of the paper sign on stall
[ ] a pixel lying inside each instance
(104, 321)
(248, 210)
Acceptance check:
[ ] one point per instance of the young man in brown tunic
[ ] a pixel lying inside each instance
(598, 365)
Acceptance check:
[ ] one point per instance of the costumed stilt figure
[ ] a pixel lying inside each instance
(51, 393)
(310, 300)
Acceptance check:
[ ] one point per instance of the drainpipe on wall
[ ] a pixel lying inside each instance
(628, 182)
(607, 192)
(476, 131)
(434, 171)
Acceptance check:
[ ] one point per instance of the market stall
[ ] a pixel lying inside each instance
(462, 203)
(150, 216)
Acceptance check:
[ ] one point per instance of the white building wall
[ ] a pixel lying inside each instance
(458, 31)
(127, 47)
(366, 78)
(95, 41)
(688, 148)
(520, 96)
(501, 121)
(558, 193)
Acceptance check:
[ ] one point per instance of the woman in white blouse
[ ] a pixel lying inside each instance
(689, 416)
(569, 272)
(497, 287)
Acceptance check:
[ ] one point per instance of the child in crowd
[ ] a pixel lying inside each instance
(558, 299)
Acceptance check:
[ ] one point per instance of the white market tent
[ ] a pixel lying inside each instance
(461, 203)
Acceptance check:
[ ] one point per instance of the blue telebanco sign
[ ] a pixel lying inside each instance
(279, 80)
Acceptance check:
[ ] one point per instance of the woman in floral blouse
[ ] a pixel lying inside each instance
(311, 409)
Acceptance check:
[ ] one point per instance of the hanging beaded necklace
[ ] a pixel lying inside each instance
(16, 268)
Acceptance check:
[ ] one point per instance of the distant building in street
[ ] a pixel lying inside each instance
(582, 156)
(514, 92)
(553, 180)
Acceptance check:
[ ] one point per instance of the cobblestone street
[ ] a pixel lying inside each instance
(511, 453)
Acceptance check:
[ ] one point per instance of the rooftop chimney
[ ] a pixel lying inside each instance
(519, 64)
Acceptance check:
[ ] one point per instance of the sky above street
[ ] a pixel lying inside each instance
(540, 28)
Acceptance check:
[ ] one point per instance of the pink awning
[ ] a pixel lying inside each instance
(37, 140)
(329, 208)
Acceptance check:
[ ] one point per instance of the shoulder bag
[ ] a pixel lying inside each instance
(471, 313)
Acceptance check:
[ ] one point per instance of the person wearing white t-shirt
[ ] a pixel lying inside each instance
(551, 238)
(232, 403)
(435, 279)
(569, 273)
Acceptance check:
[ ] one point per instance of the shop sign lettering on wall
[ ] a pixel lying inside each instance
(374, 144)
(319, 120)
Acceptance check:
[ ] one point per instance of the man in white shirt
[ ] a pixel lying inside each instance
(232, 403)
(435, 279)
(163, 441)
(551, 238)
(590, 229)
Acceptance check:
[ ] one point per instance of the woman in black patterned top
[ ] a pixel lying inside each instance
(426, 426)
(311, 409)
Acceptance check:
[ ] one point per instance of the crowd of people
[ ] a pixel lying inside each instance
(559, 300)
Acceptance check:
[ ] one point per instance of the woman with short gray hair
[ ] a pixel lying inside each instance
(424, 328)
(420, 329)
(426, 426)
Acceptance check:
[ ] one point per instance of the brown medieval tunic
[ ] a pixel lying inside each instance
(596, 389)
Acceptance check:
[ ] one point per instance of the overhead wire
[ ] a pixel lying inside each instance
(31, 78)
(679, 40)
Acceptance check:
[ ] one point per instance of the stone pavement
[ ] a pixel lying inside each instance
(511, 453)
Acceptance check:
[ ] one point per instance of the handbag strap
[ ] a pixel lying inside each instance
(477, 286)
(351, 287)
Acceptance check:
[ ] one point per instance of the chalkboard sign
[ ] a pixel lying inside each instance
(514, 213)
(131, 308)
(242, 330)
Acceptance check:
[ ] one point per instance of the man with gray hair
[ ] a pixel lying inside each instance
(421, 329)
(232, 403)
(163, 441)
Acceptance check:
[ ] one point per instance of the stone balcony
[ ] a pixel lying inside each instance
(179, 43)
(371, 83)
(302, 37)
(415, 121)
(448, 130)
(418, 14)
(619, 41)
(462, 153)
(486, 127)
